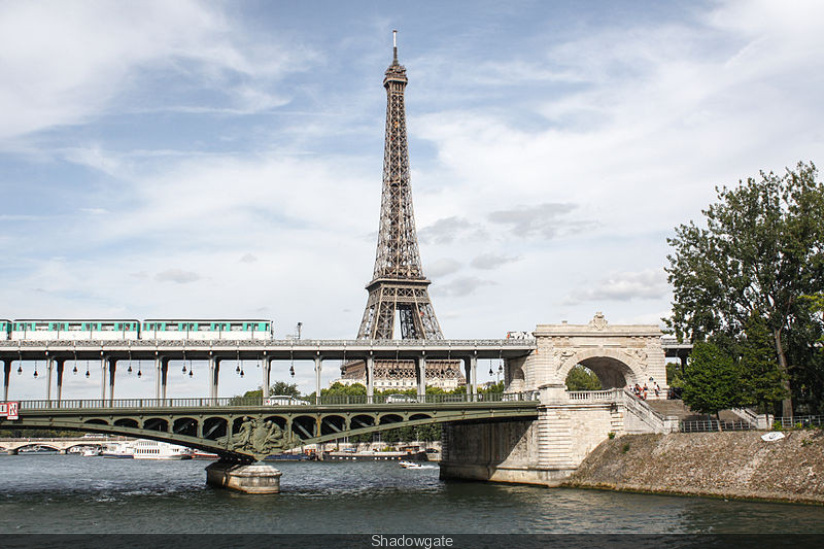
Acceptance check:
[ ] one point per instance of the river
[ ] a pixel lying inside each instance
(75, 494)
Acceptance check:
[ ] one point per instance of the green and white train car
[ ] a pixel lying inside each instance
(207, 329)
(5, 329)
(74, 330)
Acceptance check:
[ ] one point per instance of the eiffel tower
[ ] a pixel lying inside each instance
(398, 285)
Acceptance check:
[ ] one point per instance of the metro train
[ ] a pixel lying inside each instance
(130, 329)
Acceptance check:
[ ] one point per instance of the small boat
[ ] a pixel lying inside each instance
(91, 452)
(409, 464)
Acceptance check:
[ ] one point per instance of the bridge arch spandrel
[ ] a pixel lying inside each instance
(618, 354)
(614, 368)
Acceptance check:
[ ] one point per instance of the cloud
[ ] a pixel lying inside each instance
(64, 67)
(442, 267)
(248, 258)
(624, 286)
(488, 261)
(462, 287)
(177, 275)
(543, 220)
(444, 231)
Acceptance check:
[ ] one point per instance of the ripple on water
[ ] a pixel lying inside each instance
(90, 495)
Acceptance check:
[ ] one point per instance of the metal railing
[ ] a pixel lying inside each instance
(239, 402)
(711, 425)
(287, 343)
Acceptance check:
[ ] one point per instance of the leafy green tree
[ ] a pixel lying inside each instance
(581, 378)
(761, 377)
(284, 388)
(761, 251)
(712, 380)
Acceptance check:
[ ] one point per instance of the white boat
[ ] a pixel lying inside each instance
(409, 464)
(91, 452)
(151, 449)
(118, 450)
(146, 449)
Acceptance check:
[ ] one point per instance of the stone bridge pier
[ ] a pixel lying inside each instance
(570, 424)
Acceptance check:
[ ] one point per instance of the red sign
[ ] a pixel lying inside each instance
(9, 410)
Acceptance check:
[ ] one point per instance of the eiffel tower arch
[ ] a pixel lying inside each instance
(399, 287)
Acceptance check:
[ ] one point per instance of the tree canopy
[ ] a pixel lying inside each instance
(761, 250)
(582, 379)
(711, 380)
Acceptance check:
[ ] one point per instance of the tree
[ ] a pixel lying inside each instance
(283, 388)
(582, 379)
(711, 380)
(761, 251)
(762, 381)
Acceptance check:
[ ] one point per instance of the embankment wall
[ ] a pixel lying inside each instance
(730, 465)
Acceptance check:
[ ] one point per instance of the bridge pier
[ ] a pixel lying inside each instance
(542, 451)
(255, 478)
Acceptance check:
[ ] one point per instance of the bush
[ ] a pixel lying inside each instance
(611, 435)
(625, 447)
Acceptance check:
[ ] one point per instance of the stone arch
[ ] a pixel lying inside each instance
(614, 367)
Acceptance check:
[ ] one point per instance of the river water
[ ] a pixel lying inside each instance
(75, 494)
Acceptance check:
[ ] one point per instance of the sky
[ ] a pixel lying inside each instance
(207, 159)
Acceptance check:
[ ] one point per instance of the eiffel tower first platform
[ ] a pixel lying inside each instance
(398, 287)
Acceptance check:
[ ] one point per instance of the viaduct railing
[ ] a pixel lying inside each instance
(277, 402)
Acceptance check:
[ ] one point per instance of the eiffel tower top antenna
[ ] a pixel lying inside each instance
(395, 46)
(398, 285)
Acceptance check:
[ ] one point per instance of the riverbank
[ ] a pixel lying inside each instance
(730, 465)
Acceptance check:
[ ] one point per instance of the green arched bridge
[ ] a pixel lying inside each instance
(249, 430)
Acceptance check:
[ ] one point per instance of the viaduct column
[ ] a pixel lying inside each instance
(471, 366)
(318, 367)
(112, 368)
(420, 374)
(103, 374)
(60, 363)
(164, 376)
(214, 376)
(6, 378)
(370, 378)
(267, 370)
(49, 370)
(158, 366)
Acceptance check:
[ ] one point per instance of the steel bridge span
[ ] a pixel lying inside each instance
(247, 431)
(161, 352)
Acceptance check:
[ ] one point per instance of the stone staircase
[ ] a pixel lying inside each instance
(679, 409)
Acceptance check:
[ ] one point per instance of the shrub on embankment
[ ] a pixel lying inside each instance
(730, 465)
